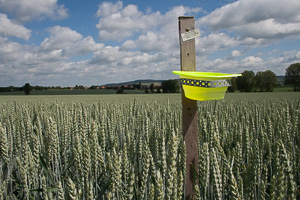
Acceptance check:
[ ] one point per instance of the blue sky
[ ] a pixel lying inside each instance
(68, 43)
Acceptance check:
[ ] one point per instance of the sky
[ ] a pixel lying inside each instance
(94, 42)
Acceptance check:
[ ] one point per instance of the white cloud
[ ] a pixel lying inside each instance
(48, 63)
(111, 56)
(252, 42)
(70, 42)
(125, 23)
(108, 8)
(164, 36)
(249, 24)
(10, 52)
(215, 42)
(150, 43)
(223, 65)
(61, 37)
(25, 11)
(284, 60)
(118, 23)
(155, 50)
(236, 53)
(9, 28)
(87, 45)
(256, 18)
(145, 45)
(277, 64)
(272, 60)
(246, 12)
(156, 42)
(269, 29)
(252, 62)
(128, 45)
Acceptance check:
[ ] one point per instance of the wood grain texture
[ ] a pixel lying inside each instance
(189, 107)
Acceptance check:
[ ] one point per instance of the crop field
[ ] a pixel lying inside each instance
(131, 147)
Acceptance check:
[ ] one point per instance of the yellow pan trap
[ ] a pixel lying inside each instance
(203, 86)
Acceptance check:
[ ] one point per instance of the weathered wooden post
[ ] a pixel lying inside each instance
(189, 107)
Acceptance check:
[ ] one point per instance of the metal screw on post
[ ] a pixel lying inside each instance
(189, 107)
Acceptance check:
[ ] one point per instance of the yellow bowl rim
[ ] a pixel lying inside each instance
(205, 74)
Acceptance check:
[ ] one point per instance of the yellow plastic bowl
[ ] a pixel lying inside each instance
(203, 86)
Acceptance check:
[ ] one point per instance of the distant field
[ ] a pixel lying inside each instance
(72, 92)
(284, 89)
(262, 95)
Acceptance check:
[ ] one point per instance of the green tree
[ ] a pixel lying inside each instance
(269, 80)
(152, 87)
(27, 88)
(245, 82)
(158, 90)
(232, 88)
(120, 91)
(292, 76)
(266, 80)
(170, 86)
(259, 80)
(139, 86)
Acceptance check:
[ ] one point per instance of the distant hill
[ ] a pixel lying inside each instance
(143, 82)
(280, 80)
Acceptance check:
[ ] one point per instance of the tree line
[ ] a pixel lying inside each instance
(266, 80)
(27, 88)
(261, 81)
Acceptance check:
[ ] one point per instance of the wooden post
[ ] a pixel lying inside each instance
(189, 107)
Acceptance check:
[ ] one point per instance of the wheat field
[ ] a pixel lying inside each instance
(131, 147)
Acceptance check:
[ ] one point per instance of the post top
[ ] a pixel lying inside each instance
(182, 17)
